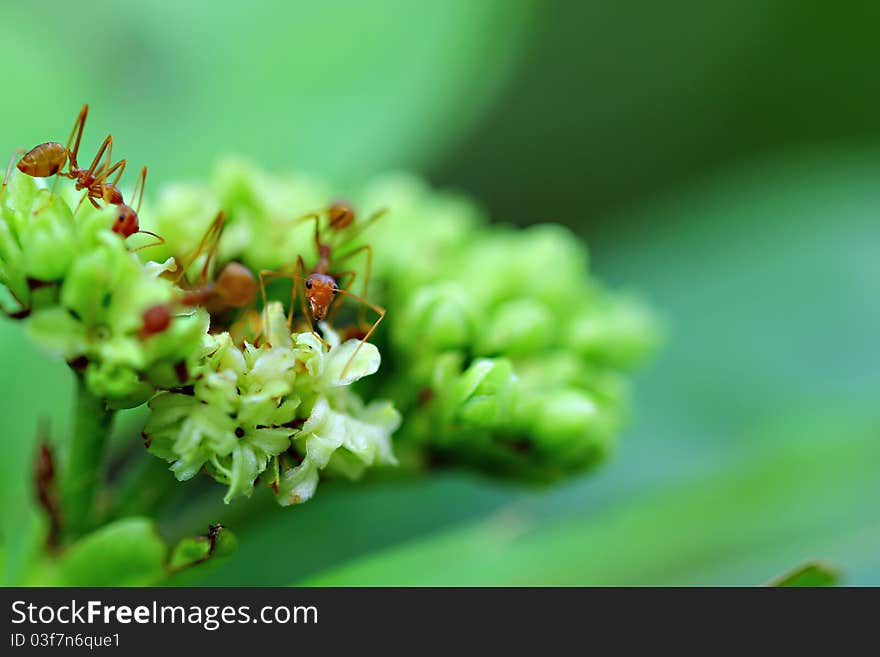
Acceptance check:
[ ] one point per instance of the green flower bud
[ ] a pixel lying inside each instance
(568, 423)
(421, 231)
(517, 327)
(484, 395)
(544, 262)
(50, 243)
(438, 317)
(182, 216)
(615, 332)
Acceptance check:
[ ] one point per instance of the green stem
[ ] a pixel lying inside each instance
(144, 488)
(84, 461)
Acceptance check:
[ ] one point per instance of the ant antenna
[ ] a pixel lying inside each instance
(159, 240)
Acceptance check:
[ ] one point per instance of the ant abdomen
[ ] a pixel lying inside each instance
(340, 215)
(44, 160)
(236, 285)
(155, 320)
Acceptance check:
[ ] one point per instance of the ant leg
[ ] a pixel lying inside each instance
(212, 240)
(299, 276)
(212, 237)
(159, 240)
(15, 154)
(336, 306)
(317, 218)
(263, 275)
(77, 130)
(50, 199)
(366, 223)
(368, 269)
(79, 205)
(379, 310)
(105, 173)
(107, 143)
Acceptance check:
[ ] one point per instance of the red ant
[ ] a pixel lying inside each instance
(234, 287)
(49, 159)
(317, 290)
(340, 217)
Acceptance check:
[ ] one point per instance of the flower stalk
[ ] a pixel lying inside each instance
(83, 463)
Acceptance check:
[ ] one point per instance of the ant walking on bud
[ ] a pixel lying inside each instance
(318, 289)
(233, 287)
(49, 159)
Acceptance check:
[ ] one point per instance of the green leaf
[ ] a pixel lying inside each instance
(128, 552)
(810, 574)
(713, 530)
(219, 542)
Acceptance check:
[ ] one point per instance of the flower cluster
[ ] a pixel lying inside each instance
(501, 350)
(283, 410)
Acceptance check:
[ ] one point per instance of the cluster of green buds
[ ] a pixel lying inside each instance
(515, 357)
(83, 294)
(501, 350)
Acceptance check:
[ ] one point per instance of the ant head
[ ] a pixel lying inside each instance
(320, 290)
(340, 214)
(126, 223)
(236, 285)
(155, 320)
(44, 160)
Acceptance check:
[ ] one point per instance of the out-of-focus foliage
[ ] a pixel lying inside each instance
(615, 103)
(342, 88)
(811, 574)
(754, 444)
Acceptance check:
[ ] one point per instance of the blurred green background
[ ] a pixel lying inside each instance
(722, 158)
